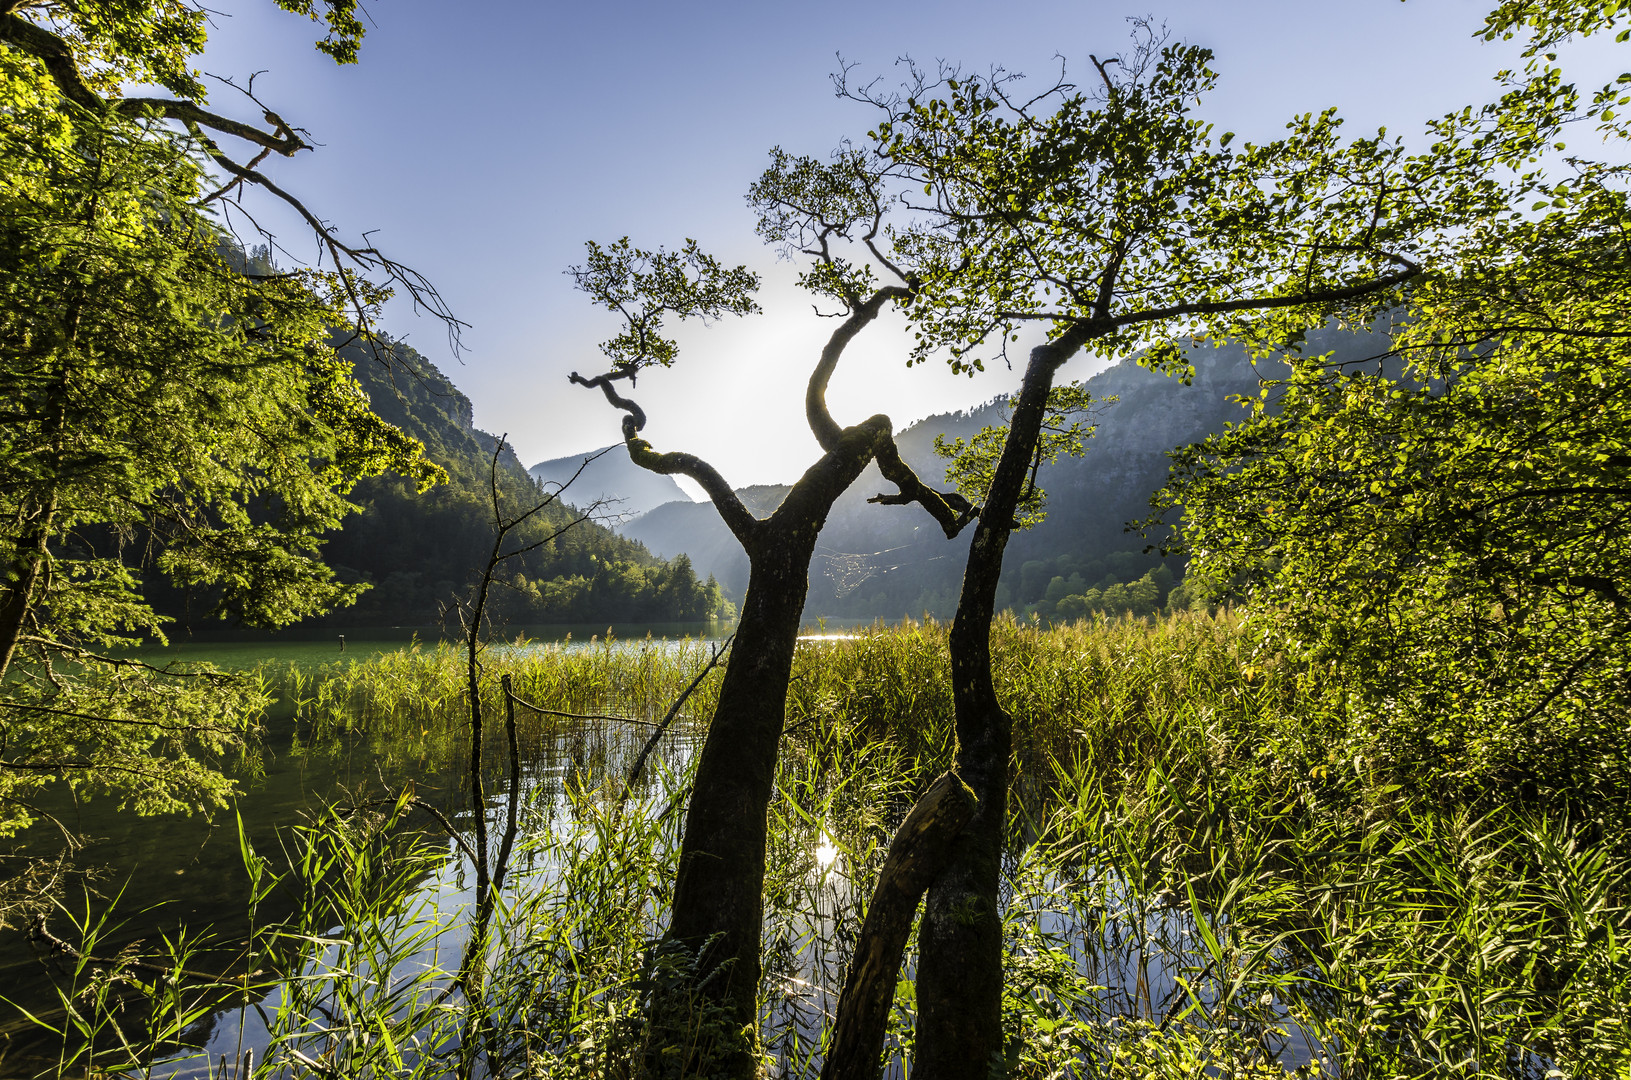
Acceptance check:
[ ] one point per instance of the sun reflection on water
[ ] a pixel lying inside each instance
(826, 853)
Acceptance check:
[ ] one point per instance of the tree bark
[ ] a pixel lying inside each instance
(959, 972)
(22, 579)
(718, 910)
(916, 855)
(703, 1022)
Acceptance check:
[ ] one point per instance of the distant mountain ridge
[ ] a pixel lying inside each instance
(608, 475)
(890, 561)
(417, 549)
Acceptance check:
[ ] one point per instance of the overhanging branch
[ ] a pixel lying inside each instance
(949, 509)
(58, 58)
(742, 524)
(56, 55)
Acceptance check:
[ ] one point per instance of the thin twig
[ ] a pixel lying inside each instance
(519, 700)
(39, 935)
(674, 711)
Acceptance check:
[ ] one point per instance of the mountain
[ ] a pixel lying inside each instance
(418, 549)
(608, 475)
(889, 561)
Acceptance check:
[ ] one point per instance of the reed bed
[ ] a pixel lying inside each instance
(1207, 875)
(411, 703)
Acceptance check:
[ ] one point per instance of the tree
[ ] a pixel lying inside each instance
(1116, 220)
(162, 405)
(171, 406)
(714, 935)
(1445, 530)
(1112, 218)
(70, 60)
(972, 463)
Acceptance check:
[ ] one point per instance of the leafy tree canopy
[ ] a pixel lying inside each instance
(172, 409)
(1449, 526)
(110, 43)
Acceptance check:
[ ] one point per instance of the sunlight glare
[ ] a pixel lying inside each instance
(826, 852)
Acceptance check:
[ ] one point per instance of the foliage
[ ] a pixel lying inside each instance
(153, 41)
(1446, 526)
(1064, 434)
(170, 410)
(176, 416)
(1198, 876)
(1119, 214)
(644, 287)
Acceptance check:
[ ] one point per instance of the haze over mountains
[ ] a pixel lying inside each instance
(608, 475)
(417, 550)
(890, 561)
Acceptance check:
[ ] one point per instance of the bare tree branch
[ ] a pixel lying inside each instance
(738, 519)
(826, 429)
(949, 509)
(673, 712)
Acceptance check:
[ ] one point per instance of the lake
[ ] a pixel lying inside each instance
(1075, 922)
(174, 870)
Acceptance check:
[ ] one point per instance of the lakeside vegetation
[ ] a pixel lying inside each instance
(1188, 808)
(1369, 822)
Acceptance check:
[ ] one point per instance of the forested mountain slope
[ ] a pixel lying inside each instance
(417, 549)
(888, 561)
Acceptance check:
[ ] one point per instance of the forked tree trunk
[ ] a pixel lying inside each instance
(718, 913)
(959, 971)
(702, 1013)
(916, 856)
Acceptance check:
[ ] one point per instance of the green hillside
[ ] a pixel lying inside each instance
(418, 549)
(888, 561)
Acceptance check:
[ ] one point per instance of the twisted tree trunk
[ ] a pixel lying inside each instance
(703, 1022)
(959, 972)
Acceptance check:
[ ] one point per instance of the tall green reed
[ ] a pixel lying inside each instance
(1204, 878)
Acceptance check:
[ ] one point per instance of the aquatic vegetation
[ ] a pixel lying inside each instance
(1195, 886)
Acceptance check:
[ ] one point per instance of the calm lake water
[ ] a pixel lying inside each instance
(174, 870)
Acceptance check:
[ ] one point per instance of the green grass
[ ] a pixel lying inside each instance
(1209, 863)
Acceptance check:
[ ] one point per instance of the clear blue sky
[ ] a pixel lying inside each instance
(485, 142)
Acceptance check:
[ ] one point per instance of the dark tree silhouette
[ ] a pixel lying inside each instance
(718, 905)
(1115, 220)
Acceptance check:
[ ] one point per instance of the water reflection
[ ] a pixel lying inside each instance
(826, 852)
(1086, 948)
(166, 873)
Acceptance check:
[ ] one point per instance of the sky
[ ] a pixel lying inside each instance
(483, 143)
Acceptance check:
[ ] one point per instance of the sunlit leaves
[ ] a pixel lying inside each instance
(1118, 211)
(1549, 22)
(172, 409)
(155, 41)
(151, 384)
(1447, 527)
(1065, 432)
(345, 30)
(644, 287)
